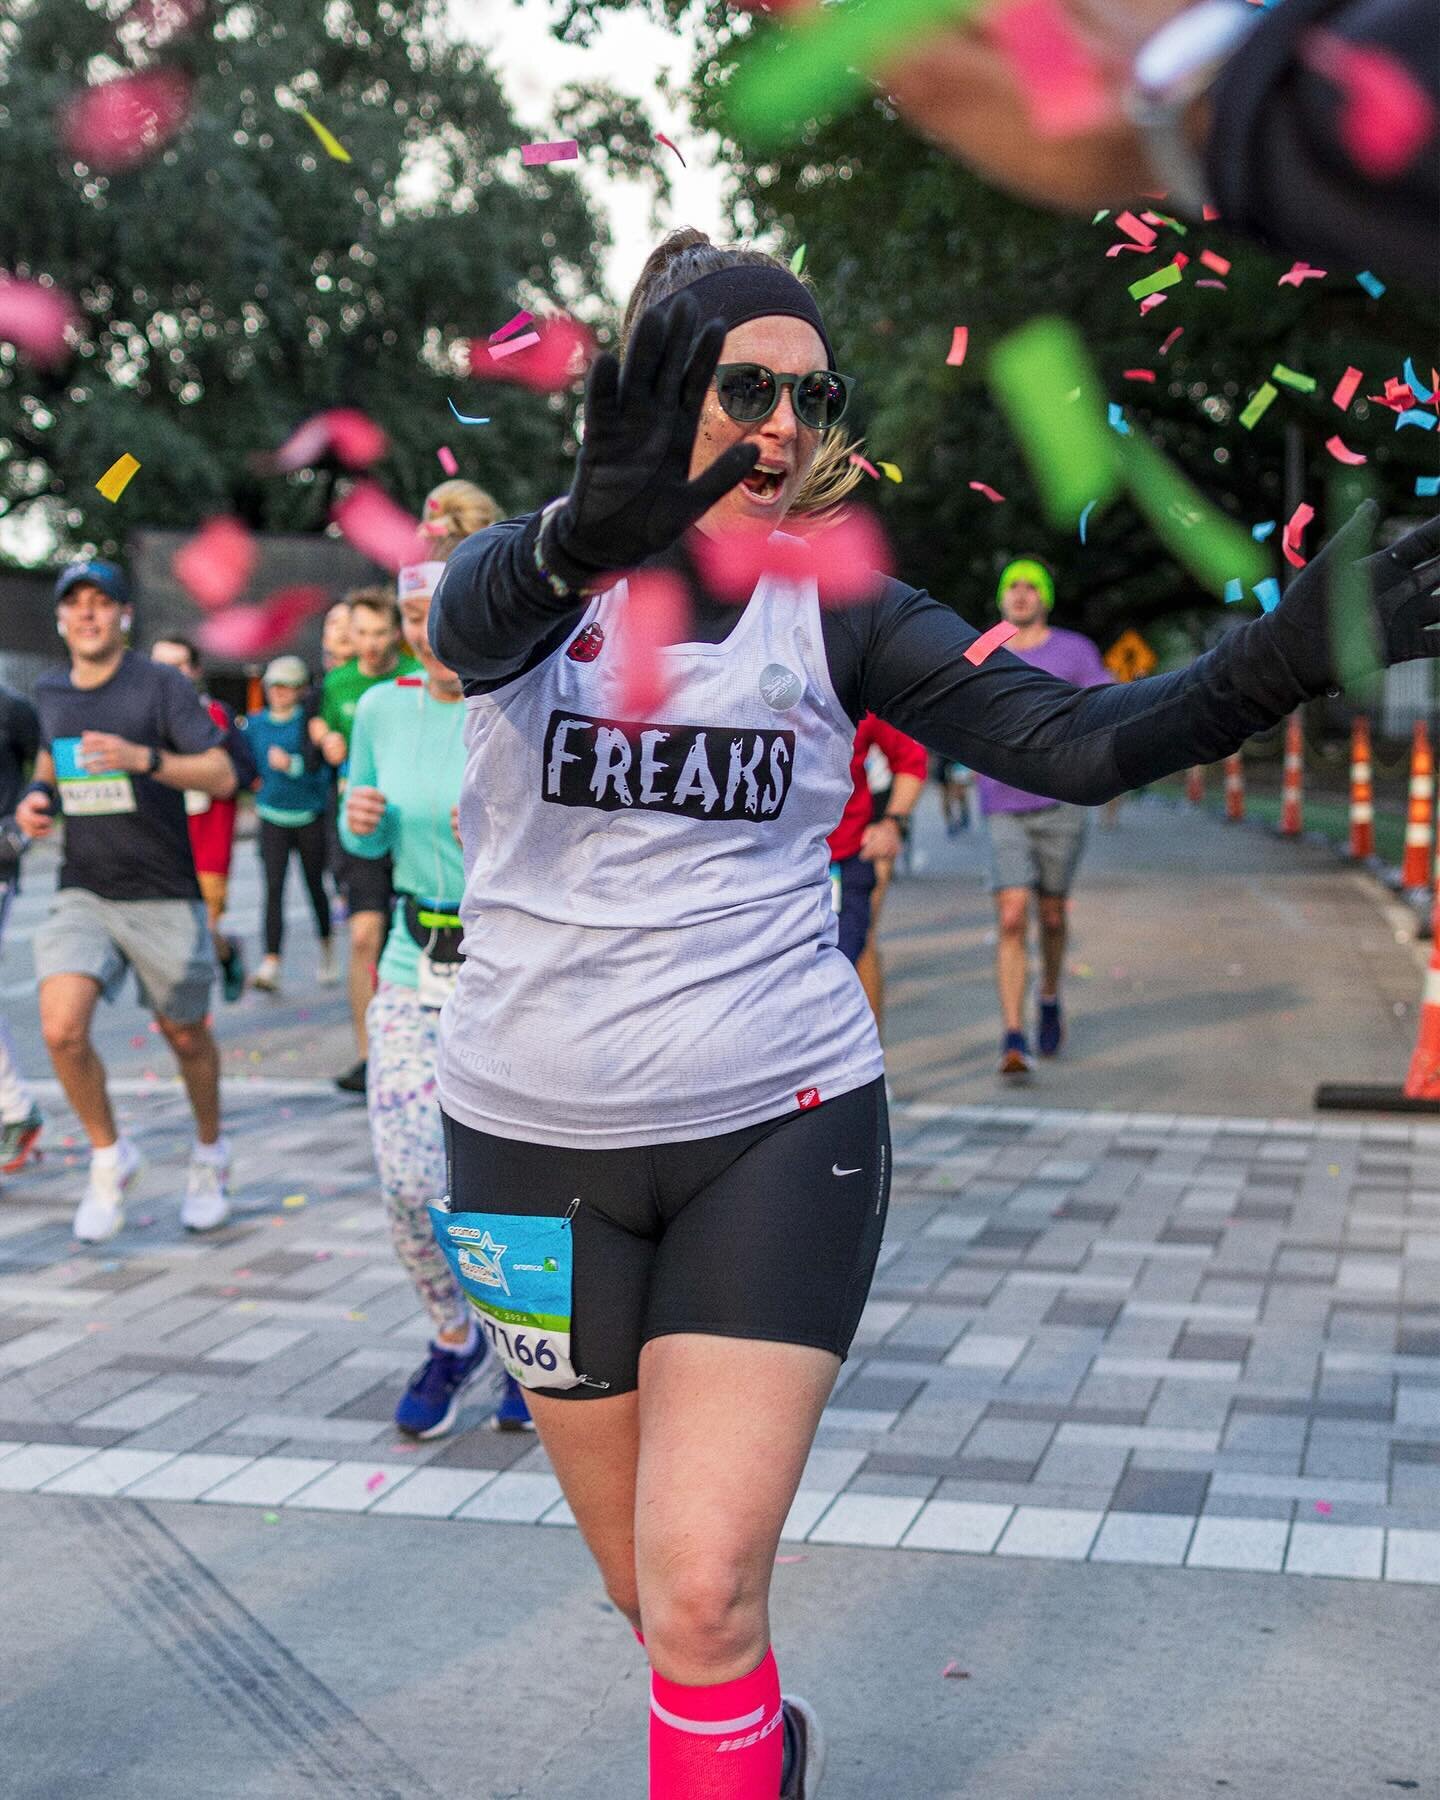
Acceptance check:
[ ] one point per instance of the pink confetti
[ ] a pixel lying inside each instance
(36, 318)
(1151, 301)
(1212, 284)
(1324, 1506)
(1139, 374)
(216, 564)
(1143, 235)
(843, 558)
(1220, 264)
(1339, 450)
(1176, 333)
(1345, 387)
(1398, 395)
(1210, 214)
(1298, 272)
(1294, 531)
(1062, 86)
(346, 433)
(251, 631)
(990, 641)
(511, 345)
(521, 318)
(447, 460)
(1386, 117)
(953, 1672)
(660, 138)
(562, 354)
(959, 344)
(863, 462)
(1116, 249)
(376, 1480)
(125, 122)
(561, 150)
(378, 528)
(984, 487)
(1180, 260)
(655, 615)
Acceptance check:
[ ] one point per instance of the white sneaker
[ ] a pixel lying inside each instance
(207, 1202)
(267, 976)
(328, 973)
(102, 1211)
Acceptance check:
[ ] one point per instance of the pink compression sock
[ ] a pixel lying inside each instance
(716, 1743)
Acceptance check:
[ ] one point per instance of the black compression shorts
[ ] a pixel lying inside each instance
(770, 1232)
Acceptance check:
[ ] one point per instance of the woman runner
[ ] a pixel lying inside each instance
(406, 761)
(654, 1036)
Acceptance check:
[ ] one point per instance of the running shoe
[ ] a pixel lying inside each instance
(1052, 1028)
(353, 1080)
(267, 977)
(512, 1414)
(101, 1212)
(207, 1197)
(1015, 1054)
(18, 1140)
(328, 973)
(428, 1406)
(232, 974)
(804, 1752)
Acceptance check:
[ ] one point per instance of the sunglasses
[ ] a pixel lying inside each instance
(749, 392)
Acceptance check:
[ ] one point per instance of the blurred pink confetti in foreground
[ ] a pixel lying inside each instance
(124, 122)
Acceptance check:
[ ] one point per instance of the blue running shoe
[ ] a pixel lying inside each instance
(1015, 1054)
(428, 1406)
(512, 1414)
(1052, 1028)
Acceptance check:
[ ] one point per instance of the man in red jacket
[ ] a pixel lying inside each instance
(864, 845)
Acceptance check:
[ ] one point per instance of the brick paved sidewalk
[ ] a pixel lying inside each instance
(1176, 1341)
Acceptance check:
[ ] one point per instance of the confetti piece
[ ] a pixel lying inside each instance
(377, 1480)
(370, 520)
(1414, 416)
(1427, 486)
(1104, 213)
(1139, 374)
(36, 319)
(1212, 284)
(271, 1518)
(797, 261)
(660, 138)
(1386, 117)
(1143, 235)
(1234, 590)
(1414, 383)
(891, 471)
(123, 123)
(511, 345)
(843, 558)
(1174, 335)
(1259, 405)
(953, 1672)
(655, 615)
(990, 641)
(959, 344)
(243, 632)
(216, 564)
(446, 457)
(1263, 530)
(344, 432)
(562, 354)
(1152, 284)
(113, 483)
(984, 487)
(1220, 264)
(1085, 518)
(864, 463)
(356, 1318)
(1121, 249)
(293, 1200)
(333, 147)
(1118, 422)
(1339, 450)
(559, 150)
(1298, 272)
(1372, 284)
(512, 325)
(1267, 592)
(1062, 86)
(1211, 546)
(1151, 301)
(1345, 387)
(1292, 378)
(466, 418)
(1045, 382)
(1294, 531)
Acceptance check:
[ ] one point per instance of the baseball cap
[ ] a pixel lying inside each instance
(107, 576)
(287, 671)
(1026, 568)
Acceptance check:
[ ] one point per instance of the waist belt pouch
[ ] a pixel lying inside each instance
(436, 929)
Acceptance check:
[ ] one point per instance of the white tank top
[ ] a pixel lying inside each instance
(650, 942)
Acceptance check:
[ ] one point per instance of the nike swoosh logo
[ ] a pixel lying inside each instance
(835, 1169)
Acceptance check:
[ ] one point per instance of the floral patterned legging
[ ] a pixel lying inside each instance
(409, 1142)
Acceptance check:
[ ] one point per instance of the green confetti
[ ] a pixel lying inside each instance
(271, 1518)
(1214, 548)
(797, 261)
(1259, 405)
(1049, 391)
(1304, 384)
(1174, 224)
(1104, 213)
(824, 60)
(1152, 284)
(1355, 651)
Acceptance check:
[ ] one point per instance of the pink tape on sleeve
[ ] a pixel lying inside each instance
(993, 639)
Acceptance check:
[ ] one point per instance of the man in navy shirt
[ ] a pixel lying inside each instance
(122, 738)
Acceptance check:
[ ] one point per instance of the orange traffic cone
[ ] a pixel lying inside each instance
(1362, 792)
(1195, 787)
(1419, 823)
(1423, 1080)
(1292, 783)
(1235, 788)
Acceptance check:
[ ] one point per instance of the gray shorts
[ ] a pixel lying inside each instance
(166, 943)
(1037, 849)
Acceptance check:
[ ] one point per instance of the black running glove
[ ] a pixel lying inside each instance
(1399, 589)
(632, 495)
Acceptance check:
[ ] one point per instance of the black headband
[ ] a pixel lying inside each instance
(746, 291)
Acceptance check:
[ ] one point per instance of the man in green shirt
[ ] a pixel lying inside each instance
(367, 881)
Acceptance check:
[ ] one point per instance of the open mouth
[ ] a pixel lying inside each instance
(763, 484)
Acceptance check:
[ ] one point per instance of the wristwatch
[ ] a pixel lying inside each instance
(1172, 69)
(157, 756)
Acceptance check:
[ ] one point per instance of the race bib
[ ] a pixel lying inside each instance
(196, 802)
(87, 796)
(518, 1274)
(437, 981)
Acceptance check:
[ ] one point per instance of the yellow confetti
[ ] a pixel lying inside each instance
(293, 1200)
(797, 261)
(113, 483)
(328, 138)
(891, 470)
(1334, 1169)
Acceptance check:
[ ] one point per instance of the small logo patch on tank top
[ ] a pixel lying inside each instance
(586, 645)
(780, 687)
(806, 1098)
(700, 771)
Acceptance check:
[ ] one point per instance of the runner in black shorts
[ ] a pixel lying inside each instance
(667, 1138)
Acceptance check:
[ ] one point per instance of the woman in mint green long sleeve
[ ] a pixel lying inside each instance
(406, 761)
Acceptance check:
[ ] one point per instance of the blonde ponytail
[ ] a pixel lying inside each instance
(455, 511)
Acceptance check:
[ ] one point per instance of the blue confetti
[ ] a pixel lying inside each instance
(1118, 421)
(1427, 486)
(1372, 284)
(465, 418)
(1234, 590)
(1267, 593)
(1262, 531)
(1413, 416)
(1085, 518)
(1416, 386)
